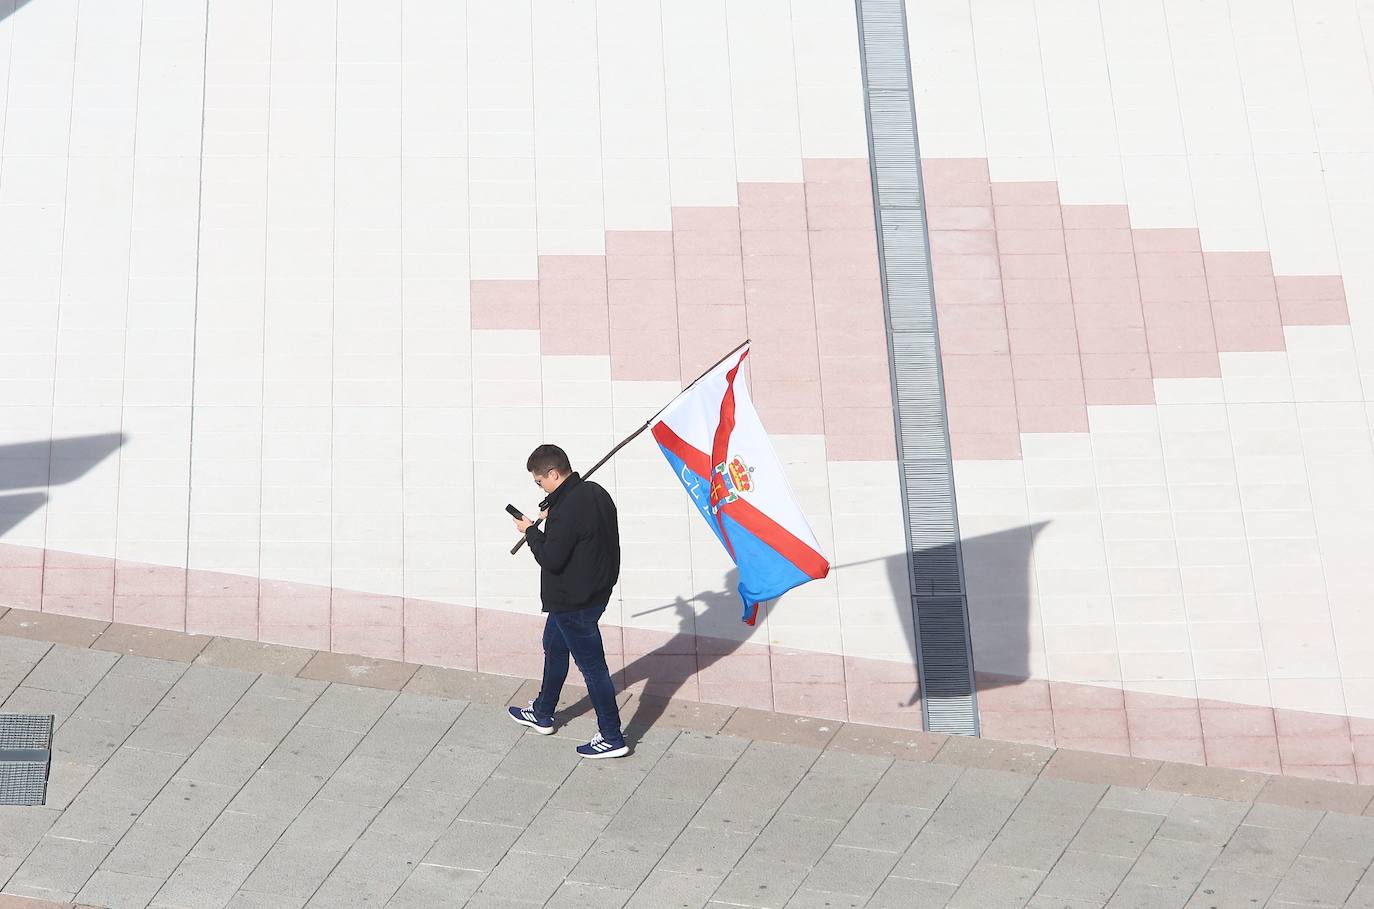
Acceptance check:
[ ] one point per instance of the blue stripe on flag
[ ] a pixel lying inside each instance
(764, 573)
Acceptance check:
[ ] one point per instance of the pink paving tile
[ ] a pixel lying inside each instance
(1248, 337)
(948, 195)
(774, 242)
(311, 637)
(1047, 366)
(1010, 241)
(626, 268)
(775, 197)
(135, 579)
(1032, 727)
(12, 556)
(1048, 265)
(22, 587)
(1166, 239)
(1119, 391)
(1053, 419)
(1242, 288)
(1105, 290)
(1041, 317)
(1018, 291)
(293, 604)
(962, 217)
(1071, 696)
(993, 419)
(1115, 366)
(151, 611)
(351, 608)
(1312, 300)
(969, 242)
(1041, 341)
(224, 616)
(453, 646)
(1078, 723)
(1337, 773)
(966, 267)
(1186, 751)
(1027, 217)
(1097, 240)
(67, 582)
(1173, 289)
(827, 194)
(697, 292)
(819, 699)
(1301, 723)
(985, 393)
(1188, 365)
(1102, 264)
(1003, 694)
(505, 304)
(950, 170)
(883, 704)
(1048, 393)
(688, 243)
(1171, 723)
(1238, 263)
(1316, 749)
(210, 584)
(84, 606)
(669, 675)
(578, 270)
(1096, 217)
(1221, 719)
(705, 218)
(983, 291)
(1163, 264)
(801, 667)
(380, 642)
(1026, 193)
(1258, 753)
(1121, 746)
(631, 243)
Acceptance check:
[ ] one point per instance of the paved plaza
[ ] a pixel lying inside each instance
(194, 772)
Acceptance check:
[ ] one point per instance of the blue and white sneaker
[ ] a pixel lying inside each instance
(526, 716)
(600, 748)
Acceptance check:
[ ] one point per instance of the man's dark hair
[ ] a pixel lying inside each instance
(546, 458)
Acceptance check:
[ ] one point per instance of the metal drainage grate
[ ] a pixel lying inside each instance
(25, 758)
(939, 605)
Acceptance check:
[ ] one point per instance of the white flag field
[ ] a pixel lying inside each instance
(712, 437)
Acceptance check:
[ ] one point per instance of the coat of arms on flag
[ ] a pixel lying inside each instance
(712, 437)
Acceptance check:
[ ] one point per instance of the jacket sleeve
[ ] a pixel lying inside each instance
(552, 550)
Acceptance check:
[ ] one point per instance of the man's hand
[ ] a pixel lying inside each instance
(522, 524)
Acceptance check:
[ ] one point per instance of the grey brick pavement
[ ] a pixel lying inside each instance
(196, 785)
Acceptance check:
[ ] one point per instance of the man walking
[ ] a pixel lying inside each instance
(578, 552)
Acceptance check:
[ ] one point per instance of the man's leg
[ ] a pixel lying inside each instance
(584, 641)
(555, 669)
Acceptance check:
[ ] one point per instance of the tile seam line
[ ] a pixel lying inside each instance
(76, 795)
(828, 747)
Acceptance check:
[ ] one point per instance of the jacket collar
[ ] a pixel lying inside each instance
(552, 498)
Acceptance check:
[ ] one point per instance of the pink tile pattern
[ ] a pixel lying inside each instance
(794, 266)
(1045, 308)
(830, 686)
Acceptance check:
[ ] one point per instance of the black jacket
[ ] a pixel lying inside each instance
(578, 549)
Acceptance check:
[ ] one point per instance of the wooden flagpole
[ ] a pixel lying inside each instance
(634, 435)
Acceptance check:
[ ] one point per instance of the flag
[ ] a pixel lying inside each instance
(712, 437)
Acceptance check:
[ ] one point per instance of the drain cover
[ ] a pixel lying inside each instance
(25, 758)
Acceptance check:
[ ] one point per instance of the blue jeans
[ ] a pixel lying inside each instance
(576, 633)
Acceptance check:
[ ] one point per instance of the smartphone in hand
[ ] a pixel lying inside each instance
(514, 512)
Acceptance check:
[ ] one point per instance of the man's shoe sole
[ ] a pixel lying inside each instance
(613, 753)
(542, 730)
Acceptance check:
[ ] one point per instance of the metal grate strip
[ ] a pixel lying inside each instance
(939, 601)
(25, 758)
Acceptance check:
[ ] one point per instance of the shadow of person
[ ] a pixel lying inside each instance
(1000, 593)
(663, 672)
